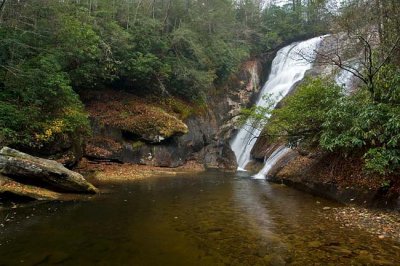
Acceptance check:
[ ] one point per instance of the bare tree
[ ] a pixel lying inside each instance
(359, 56)
(362, 46)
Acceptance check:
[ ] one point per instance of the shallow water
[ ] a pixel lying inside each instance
(204, 219)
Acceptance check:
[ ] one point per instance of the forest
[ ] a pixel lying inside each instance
(199, 132)
(53, 50)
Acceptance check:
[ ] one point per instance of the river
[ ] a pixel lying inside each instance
(211, 218)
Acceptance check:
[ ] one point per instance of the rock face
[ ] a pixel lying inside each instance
(205, 139)
(341, 179)
(34, 170)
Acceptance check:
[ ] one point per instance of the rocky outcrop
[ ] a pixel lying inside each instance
(32, 170)
(135, 118)
(239, 92)
(204, 138)
(341, 179)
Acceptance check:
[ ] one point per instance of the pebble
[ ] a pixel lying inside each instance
(326, 208)
(380, 223)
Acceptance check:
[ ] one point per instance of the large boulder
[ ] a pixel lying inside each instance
(34, 170)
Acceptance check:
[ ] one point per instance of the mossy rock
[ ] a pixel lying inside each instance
(146, 121)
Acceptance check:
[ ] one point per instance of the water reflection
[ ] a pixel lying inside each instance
(207, 219)
(248, 196)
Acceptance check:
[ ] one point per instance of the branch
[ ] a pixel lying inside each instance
(2, 5)
(331, 60)
(388, 55)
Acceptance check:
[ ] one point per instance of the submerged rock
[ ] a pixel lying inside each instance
(30, 169)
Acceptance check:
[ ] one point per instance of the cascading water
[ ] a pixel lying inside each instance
(288, 67)
(278, 154)
(346, 79)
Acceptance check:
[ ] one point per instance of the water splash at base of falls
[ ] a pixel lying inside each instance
(288, 67)
(278, 154)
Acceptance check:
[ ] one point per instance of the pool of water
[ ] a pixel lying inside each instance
(210, 218)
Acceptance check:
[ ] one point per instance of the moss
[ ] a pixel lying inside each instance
(137, 144)
(180, 107)
(134, 115)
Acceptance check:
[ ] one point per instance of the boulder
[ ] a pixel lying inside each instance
(30, 169)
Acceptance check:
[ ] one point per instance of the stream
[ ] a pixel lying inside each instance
(210, 218)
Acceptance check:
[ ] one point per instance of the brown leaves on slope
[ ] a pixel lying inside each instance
(134, 115)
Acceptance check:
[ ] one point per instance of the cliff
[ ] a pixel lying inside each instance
(170, 132)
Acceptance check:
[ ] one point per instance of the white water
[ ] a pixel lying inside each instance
(278, 154)
(346, 79)
(288, 67)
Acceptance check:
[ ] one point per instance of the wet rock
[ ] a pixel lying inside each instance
(30, 169)
(10, 186)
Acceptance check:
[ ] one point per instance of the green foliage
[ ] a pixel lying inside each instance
(340, 120)
(50, 50)
(361, 123)
(279, 25)
(258, 116)
(358, 123)
(302, 114)
(319, 114)
(387, 82)
(29, 113)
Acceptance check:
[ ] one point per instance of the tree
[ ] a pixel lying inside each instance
(359, 48)
(300, 118)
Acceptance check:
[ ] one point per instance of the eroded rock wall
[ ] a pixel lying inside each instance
(207, 137)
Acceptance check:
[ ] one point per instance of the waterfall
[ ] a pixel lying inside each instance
(346, 79)
(278, 154)
(288, 67)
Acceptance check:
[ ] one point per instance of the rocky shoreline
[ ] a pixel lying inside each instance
(28, 177)
(107, 172)
(383, 224)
